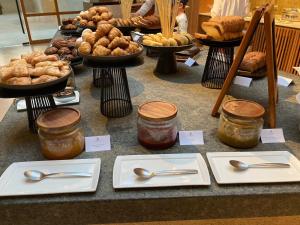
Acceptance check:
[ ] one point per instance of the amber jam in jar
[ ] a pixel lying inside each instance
(240, 123)
(59, 134)
(157, 125)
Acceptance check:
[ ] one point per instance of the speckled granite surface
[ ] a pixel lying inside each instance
(107, 205)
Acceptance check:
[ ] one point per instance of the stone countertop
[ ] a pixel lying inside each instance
(107, 205)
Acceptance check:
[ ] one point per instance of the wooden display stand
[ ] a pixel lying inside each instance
(269, 28)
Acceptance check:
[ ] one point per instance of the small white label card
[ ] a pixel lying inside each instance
(97, 143)
(190, 62)
(243, 81)
(284, 81)
(191, 137)
(272, 136)
(298, 69)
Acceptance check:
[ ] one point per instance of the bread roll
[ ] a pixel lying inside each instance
(253, 61)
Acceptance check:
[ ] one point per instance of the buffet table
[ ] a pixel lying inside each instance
(107, 205)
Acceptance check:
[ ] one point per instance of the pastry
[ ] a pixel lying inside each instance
(63, 51)
(102, 9)
(224, 28)
(118, 42)
(30, 56)
(118, 52)
(6, 73)
(43, 58)
(91, 24)
(253, 61)
(90, 38)
(132, 49)
(46, 70)
(43, 79)
(159, 40)
(51, 50)
(85, 48)
(96, 19)
(104, 41)
(103, 30)
(19, 81)
(83, 23)
(50, 63)
(114, 32)
(101, 51)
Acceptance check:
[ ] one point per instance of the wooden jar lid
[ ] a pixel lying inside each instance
(243, 109)
(59, 118)
(157, 111)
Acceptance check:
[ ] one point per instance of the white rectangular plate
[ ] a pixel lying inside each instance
(124, 177)
(13, 182)
(226, 174)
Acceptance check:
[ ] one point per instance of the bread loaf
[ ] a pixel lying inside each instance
(224, 28)
(253, 61)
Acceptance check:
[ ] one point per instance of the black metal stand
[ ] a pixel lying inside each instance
(115, 95)
(97, 78)
(166, 63)
(37, 105)
(217, 65)
(218, 62)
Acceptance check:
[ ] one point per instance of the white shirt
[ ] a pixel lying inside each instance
(182, 22)
(230, 8)
(146, 7)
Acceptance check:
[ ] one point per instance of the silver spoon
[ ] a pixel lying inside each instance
(244, 166)
(146, 174)
(35, 175)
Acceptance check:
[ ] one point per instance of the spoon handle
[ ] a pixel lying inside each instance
(270, 165)
(69, 174)
(176, 172)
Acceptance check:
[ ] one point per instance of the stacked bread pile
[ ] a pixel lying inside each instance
(253, 64)
(224, 28)
(106, 41)
(159, 40)
(142, 22)
(69, 24)
(34, 68)
(95, 15)
(65, 49)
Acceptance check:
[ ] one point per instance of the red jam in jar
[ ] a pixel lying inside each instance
(157, 125)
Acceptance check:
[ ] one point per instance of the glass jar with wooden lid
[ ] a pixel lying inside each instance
(157, 124)
(240, 123)
(59, 133)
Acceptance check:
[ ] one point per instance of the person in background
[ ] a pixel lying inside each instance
(230, 8)
(145, 8)
(181, 18)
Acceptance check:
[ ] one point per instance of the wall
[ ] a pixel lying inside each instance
(8, 6)
(205, 4)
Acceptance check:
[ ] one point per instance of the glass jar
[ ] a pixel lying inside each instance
(241, 123)
(157, 125)
(59, 134)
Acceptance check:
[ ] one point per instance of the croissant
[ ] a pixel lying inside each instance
(43, 58)
(91, 24)
(132, 49)
(102, 9)
(96, 18)
(6, 72)
(101, 51)
(30, 56)
(19, 81)
(43, 79)
(47, 70)
(105, 16)
(83, 23)
(127, 38)
(118, 52)
(104, 41)
(20, 70)
(114, 32)
(103, 30)
(112, 21)
(85, 48)
(90, 38)
(118, 42)
(49, 63)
